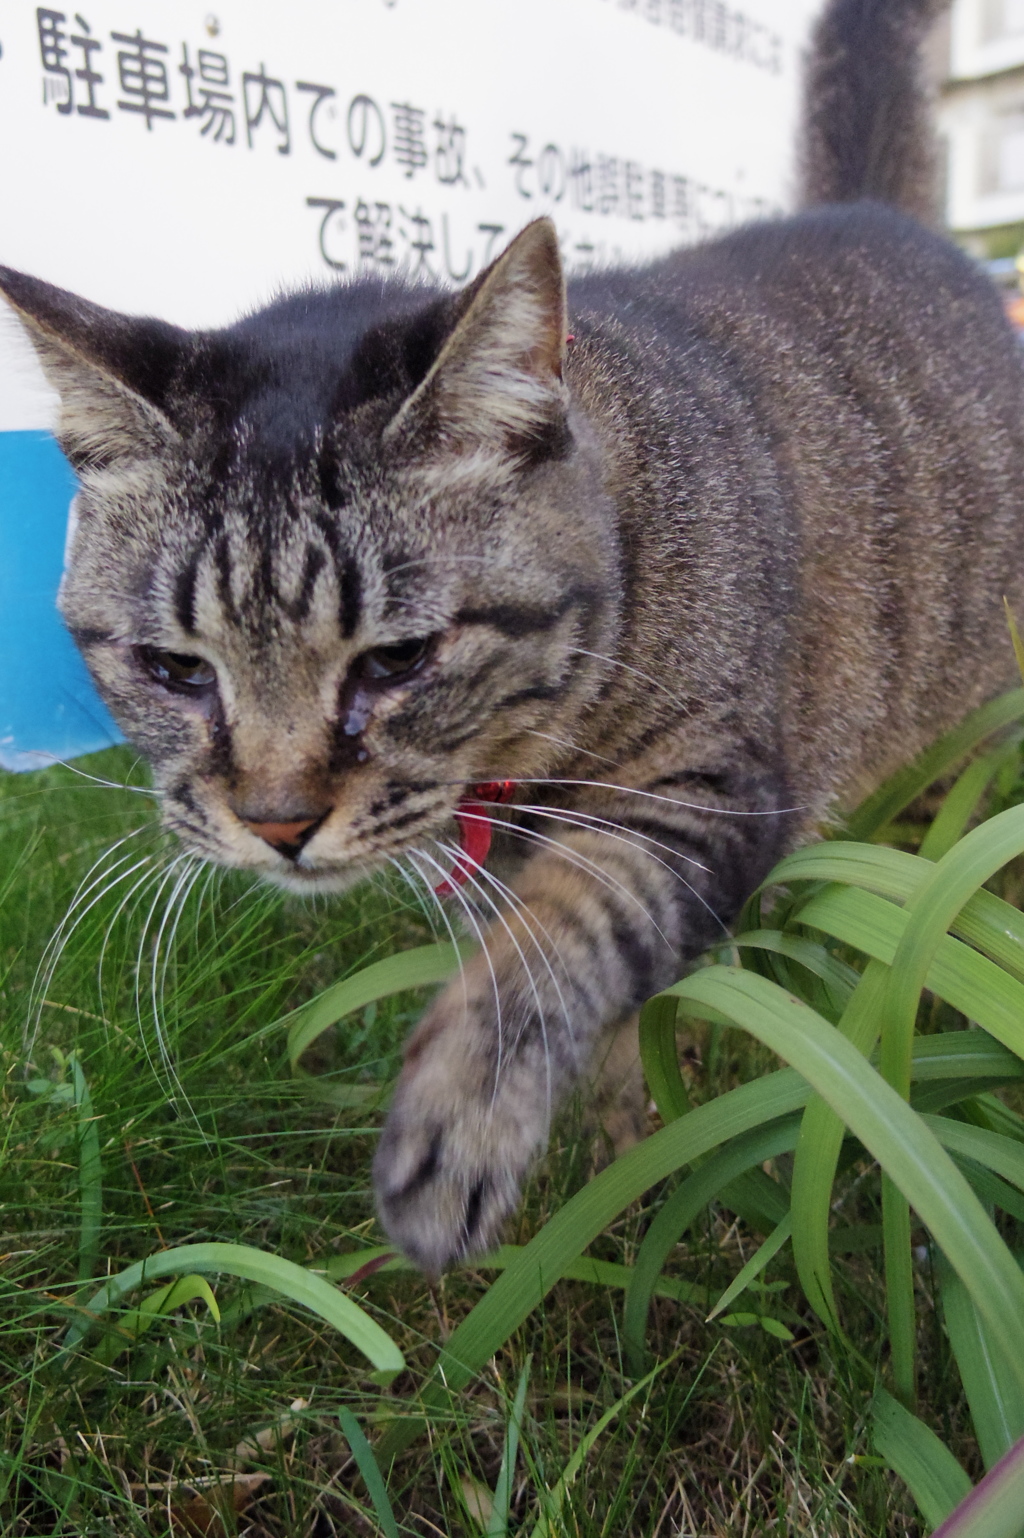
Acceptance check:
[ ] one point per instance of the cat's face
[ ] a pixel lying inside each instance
(324, 581)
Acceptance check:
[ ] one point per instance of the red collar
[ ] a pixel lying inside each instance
(475, 829)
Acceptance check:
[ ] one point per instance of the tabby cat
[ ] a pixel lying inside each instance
(686, 582)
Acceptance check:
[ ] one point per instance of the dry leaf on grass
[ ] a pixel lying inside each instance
(478, 1498)
(250, 1449)
(210, 1512)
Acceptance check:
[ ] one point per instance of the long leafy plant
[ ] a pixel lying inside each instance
(835, 967)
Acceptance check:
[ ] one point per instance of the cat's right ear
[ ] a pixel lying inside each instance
(113, 373)
(496, 385)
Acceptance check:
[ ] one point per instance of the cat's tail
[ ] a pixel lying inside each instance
(867, 130)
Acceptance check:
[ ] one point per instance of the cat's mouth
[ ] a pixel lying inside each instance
(303, 872)
(475, 824)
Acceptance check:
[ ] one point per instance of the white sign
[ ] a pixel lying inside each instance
(190, 160)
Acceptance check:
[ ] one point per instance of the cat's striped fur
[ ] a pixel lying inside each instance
(722, 564)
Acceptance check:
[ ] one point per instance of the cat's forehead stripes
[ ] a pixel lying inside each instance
(350, 581)
(185, 594)
(252, 583)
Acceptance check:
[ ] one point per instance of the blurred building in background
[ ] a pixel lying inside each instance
(977, 58)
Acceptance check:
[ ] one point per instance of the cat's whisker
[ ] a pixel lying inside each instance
(531, 924)
(432, 905)
(162, 953)
(564, 742)
(159, 959)
(627, 790)
(176, 905)
(90, 880)
(166, 877)
(149, 878)
(136, 790)
(471, 919)
(383, 883)
(423, 899)
(105, 881)
(244, 895)
(214, 873)
(650, 795)
(442, 560)
(471, 881)
(93, 882)
(542, 1021)
(458, 858)
(624, 833)
(582, 862)
(603, 826)
(627, 667)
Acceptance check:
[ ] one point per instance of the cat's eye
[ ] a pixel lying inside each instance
(177, 670)
(393, 661)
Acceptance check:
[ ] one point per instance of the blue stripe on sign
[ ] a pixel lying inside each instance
(49, 707)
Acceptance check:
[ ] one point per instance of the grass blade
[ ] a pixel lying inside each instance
(902, 788)
(914, 1452)
(994, 1150)
(839, 979)
(368, 1466)
(963, 1054)
(660, 1057)
(159, 1304)
(682, 1207)
(497, 1525)
(972, 983)
(930, 910)
(985, 921)
(989, 1112)
(995, 1507)
(418, 968)
(542, 1262)
(899, 1291)
(960, 803)
(284, 1276)
(548, 1525)
(383, 1259)
(90, 1174)
(1018, 644)
(995, 1397)
(817, 1154)
(993, 1191)
(754, 1266)
(889, 1129)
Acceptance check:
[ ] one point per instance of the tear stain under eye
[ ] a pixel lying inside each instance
(356, 717)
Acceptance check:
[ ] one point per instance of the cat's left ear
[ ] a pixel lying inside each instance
(497, 382)
(113, 372)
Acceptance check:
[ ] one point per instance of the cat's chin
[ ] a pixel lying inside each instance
(308, 883)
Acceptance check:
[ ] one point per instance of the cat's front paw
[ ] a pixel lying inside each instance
(461, 1134)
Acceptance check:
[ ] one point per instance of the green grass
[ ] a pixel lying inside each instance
(130, 1130)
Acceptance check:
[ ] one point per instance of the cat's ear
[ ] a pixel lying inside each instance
(497, 381)
(113, 372)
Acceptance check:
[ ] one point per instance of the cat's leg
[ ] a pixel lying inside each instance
(616, 1103)
(596, 926)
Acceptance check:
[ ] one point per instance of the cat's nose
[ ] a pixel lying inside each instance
(288, 838)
